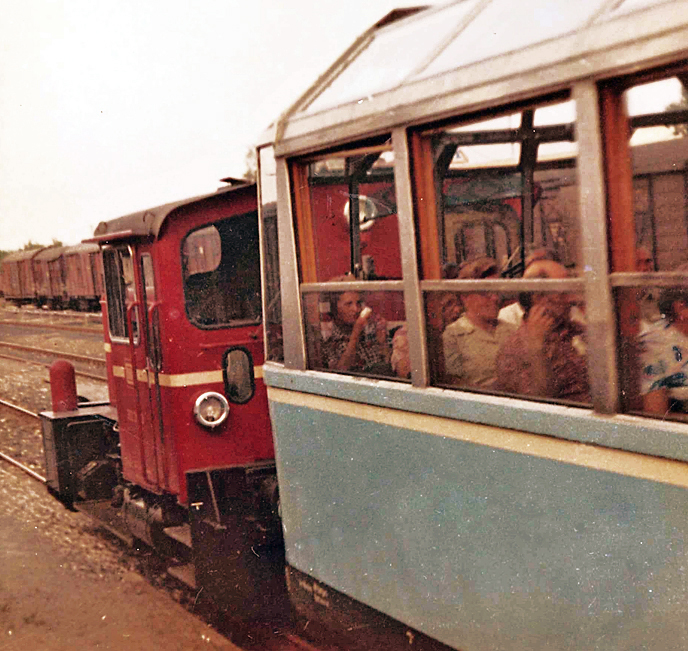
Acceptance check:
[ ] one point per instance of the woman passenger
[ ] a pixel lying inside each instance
(359, 339)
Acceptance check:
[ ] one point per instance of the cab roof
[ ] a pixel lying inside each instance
(148, 223)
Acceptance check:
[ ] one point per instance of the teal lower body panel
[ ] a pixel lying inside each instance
(480, 547)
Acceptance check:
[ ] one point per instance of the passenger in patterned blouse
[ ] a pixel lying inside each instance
(664, 355)
(541, 358)
(359, 339)
(471, 343)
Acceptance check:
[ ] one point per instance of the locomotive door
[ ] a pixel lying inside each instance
(129, 289)
(149, 390)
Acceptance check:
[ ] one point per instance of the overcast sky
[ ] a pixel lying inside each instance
(111, 106)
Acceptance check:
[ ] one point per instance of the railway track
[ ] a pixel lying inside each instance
(52, 353)
(90, 376)
(51, 326)
(266, 636)
(12, 460)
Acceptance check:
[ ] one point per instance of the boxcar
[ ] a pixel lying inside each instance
(83, 276)
(18, 277)
(49, 274)
(515, 513)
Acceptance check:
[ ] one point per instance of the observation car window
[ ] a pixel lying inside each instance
(503, 209)
(350, 259)
(221, 271)
(270, 242)
(652, 307)
(396, 53)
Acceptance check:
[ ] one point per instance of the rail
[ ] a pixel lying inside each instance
(9, 459)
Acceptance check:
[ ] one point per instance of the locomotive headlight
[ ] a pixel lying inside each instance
(211, 409)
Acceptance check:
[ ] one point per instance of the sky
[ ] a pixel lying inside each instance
(109, 107)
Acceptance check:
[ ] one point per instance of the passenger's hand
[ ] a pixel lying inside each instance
(381, 331)
(362, 321)
(539, 323)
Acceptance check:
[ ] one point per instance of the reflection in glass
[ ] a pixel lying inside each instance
(221, 270)
(356, 332)
(658, 153)
(508, 186)
(353, 220)
(239, 375)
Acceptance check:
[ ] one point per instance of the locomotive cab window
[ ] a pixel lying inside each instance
(497, 204)
(350, 261)
(221, 270)
(120, 291)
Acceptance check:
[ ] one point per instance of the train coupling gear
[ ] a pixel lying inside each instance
(96, 480)
(211, 409)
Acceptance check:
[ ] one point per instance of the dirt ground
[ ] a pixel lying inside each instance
(65, 583)
(64, 587)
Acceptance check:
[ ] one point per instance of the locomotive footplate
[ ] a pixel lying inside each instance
(238, 551)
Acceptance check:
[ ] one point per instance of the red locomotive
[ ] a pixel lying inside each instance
(182, 457)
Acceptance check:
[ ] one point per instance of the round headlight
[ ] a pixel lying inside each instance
(211, 409)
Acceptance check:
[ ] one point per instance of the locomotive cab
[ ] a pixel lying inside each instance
(194, 460)
(183, 296)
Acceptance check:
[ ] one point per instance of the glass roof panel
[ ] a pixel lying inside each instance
(630, 5)
(504, 26)
(392, 55)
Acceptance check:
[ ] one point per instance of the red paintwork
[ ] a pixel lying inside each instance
(63, 386)
(246, 436)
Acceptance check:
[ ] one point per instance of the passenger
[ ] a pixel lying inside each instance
(541, 358)
(359, 339)
(664, 355)
(450, 311)
(471, 343)
(513, 312)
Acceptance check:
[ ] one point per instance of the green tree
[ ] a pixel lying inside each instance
(30, 246)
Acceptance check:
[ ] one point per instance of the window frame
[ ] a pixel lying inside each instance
(608, 269)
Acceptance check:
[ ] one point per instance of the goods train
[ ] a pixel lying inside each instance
(420, 510)
(57, 277)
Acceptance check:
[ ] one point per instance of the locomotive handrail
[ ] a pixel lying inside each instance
(154, 310)
(132, 355)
